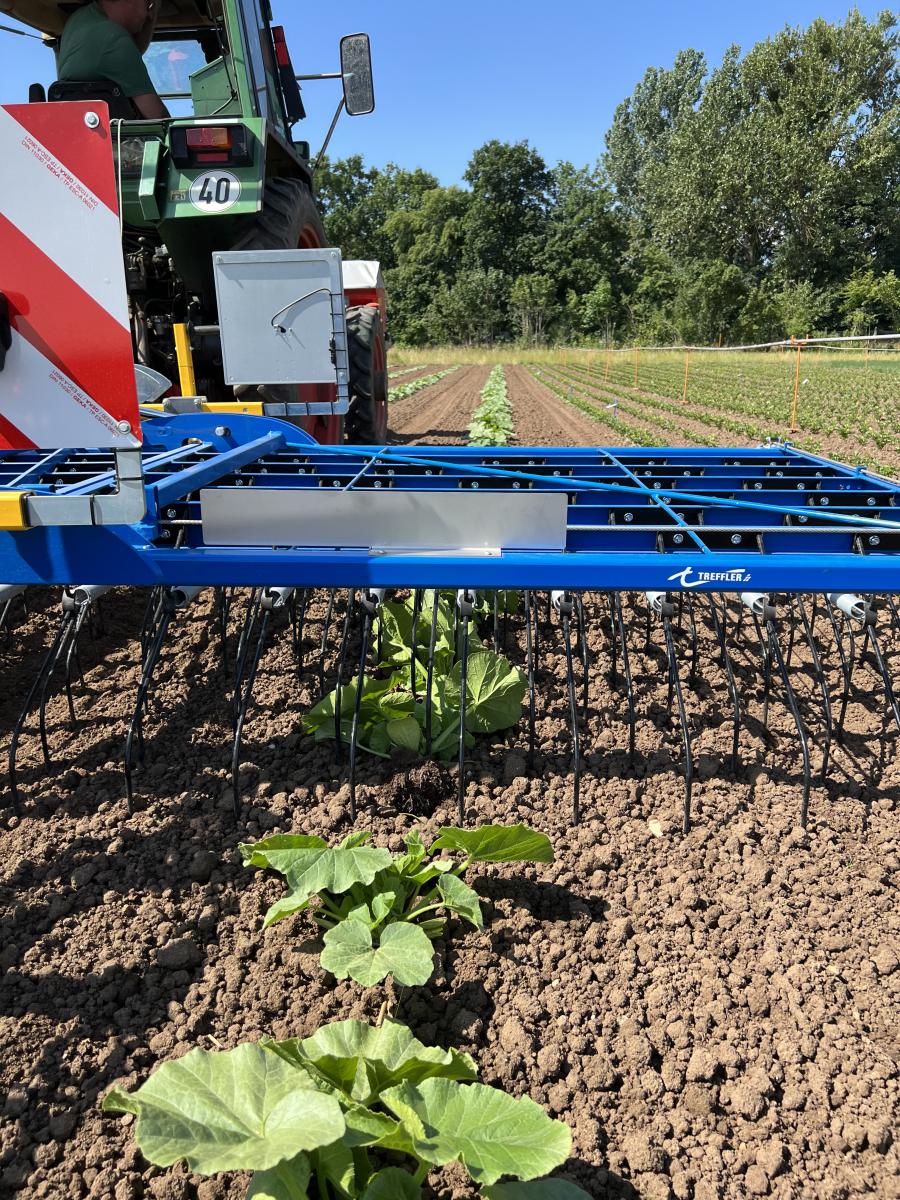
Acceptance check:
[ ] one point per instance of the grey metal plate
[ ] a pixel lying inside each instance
(399, 521)
(279, 311)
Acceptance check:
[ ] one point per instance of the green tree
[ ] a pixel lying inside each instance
(507, 216)
(869, 301)
(532, 300)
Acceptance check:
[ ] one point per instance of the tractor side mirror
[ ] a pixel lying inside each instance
(356, 72)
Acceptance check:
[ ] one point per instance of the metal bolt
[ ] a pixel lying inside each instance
(736, 539)
(123, 426)
(171, 513)
(221, 431)
(758, 486)
(870, 501)
(91, 120)
(678, 538)
(629, 517)
(874, 540)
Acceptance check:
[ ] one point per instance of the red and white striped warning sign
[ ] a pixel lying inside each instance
(68, 376)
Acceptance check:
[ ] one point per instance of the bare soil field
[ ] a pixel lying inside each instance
(714, 1014)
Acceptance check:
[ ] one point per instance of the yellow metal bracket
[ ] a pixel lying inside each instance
(185, 360)
(13, 511)
(253, 408)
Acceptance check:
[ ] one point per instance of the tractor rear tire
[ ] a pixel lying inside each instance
(288, 219)
(367, 423)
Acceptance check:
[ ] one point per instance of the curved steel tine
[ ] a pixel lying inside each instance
(529, 665)
(414, 640)
(791, 636)
(326, 626)
(725, 659)
(339, 689)
(70, 620)
(370, 604)
(251, 617)
(820, 679)
(496, 607)
(504, 634)
(429, 670)
(222, 613)
(692, 623)
(50, 659)
(845, 673)
(583, 650)
(299, 619)
(675, 682)
(465, 602)
(135, 729)
(626, 671)
(795, 713)
(892, 605)
(242, 700)
(767, 670)
(152, 614)
(885, 675)
(573, 718)
(72, 655)
(613, 598)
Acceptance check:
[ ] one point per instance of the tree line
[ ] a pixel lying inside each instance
(750, 202)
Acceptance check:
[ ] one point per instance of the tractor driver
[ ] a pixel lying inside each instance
(107, 39)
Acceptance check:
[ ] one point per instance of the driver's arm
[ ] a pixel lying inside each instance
(150, 106)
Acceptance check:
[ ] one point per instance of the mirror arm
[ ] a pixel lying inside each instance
(327, 75)
(331, 128)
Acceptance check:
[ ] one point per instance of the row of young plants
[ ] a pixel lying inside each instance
(401, 371)
(833, 400)
(628, 433)
(492, 423)
(363, 1111)
(416, 385)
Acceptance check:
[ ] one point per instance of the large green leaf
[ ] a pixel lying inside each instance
(392, 1184)
(362, 1060)
(536, 1189)
(491, 1133)
(287, 1181)
(237, 1110)
(313, 868)
(461, 898)
(403, 951)
(495, 690)
(496, 843)
(406, 733)
(322, 714)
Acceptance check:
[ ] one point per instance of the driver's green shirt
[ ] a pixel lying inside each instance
(94, 47)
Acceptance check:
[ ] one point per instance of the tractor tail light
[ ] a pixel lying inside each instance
(282, 55)
(209, 137)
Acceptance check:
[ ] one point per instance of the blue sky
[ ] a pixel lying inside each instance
(449, 77)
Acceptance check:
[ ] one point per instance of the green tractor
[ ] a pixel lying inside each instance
(227, 176)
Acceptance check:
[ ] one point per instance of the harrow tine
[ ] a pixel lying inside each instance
(725, 659)
(326, 626)
(820, 680)
(171, 600)
(619, 624)
(564, 604)
(37, 687)
(855, 608)
(222, 607)
(496, 607)
(692, 623)
(846, 672)
(429, 670)
(660, 603)
(465, 605)
(530, 645)
(892, 605)
(298, 624)
(9, 593)
(583, 651)
(414, 639)
(339, 689)
(791, 699)
(270, 600)
(370, 602)
(251, 619)
(756, 603)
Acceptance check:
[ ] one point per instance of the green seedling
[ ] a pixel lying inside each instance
(392, 714)
(492, 423)
(328, 1118)
(381, 911)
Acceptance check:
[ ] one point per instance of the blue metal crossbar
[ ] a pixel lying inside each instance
(766, 519)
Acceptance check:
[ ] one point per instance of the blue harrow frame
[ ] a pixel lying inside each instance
(768, 519)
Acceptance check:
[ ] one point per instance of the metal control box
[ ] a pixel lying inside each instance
(282, 318)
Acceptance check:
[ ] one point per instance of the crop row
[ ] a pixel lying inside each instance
(833, 399)
(492, 423)
(416, 385)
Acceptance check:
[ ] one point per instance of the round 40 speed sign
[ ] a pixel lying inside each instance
(215, 191)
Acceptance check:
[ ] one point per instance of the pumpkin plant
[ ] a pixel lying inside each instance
(381, 911)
